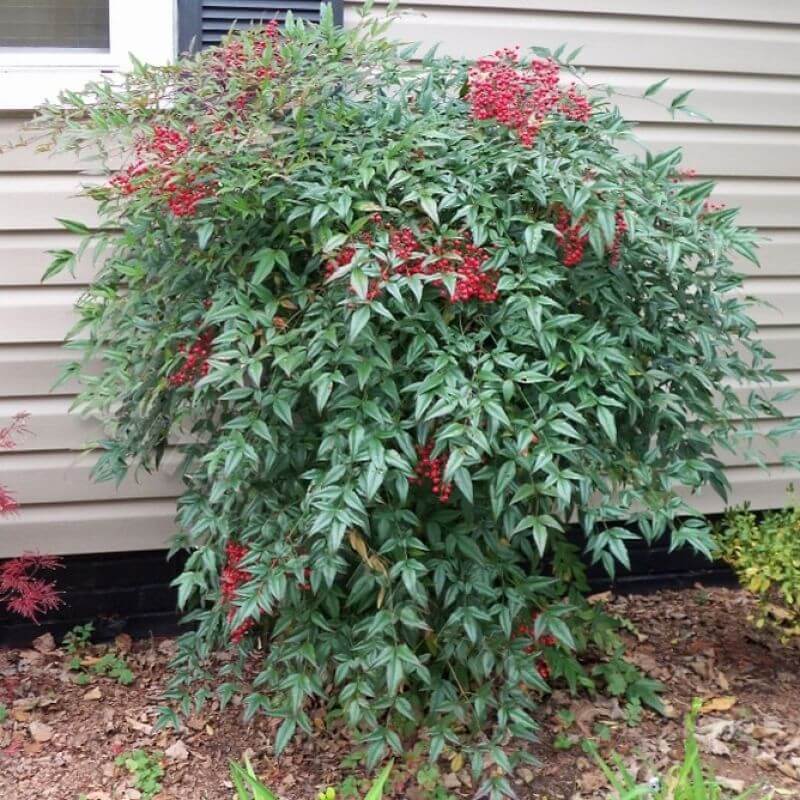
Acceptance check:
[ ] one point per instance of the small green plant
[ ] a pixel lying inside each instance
(78, 639)
(249, 787)
(112, 666)
(108, 666)
(3, 713)
(633, 712)
(765, 554)
(147, 770)
(689, 780)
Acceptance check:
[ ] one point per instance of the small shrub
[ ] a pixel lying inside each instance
(764, 551)
(78, 638)
(147, 770)
(415, 318)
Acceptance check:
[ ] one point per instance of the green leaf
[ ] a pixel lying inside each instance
(284, 736)
(204, 233)
(357, 321)
(376, 790)
(653, 88)
(607, 422)
(429, 207)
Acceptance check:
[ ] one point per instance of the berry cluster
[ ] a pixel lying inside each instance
(571, 242)
(709, 207)
(234, 57)
(454, 256)
(522, 96)
(232, 577)
(432, 469)
(240, 631)
(620, 229)
(343, 258)
(183, 201)
(154, 170)
(547, 640)
(195, 365)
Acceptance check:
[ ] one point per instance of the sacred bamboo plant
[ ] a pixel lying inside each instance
(414, 318)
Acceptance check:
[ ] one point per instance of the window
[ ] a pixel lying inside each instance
(50, 45)
(74, 24)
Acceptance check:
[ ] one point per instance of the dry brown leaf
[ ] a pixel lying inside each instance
(715, 704)
(44, 643)
(40, 732)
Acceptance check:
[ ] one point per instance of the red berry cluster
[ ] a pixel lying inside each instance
(196, 364)
(343, 258)
(232, 577)
(240, 631)
(709, 207)
(547, 640)
(522, 96)
(456, 256)
(154, 169)
(249, 68)
(620, 229)
(571, 242)
(574, 105)
(432, 469)
(183, 202)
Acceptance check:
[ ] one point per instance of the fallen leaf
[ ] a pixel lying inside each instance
(40, 732)
(733, 784)
(141, 727)
(44, 643)
(177, 751)
(715, 704)
(591, 781)
(526, 774)
(451, 781)
(93, 694)
(788, 771)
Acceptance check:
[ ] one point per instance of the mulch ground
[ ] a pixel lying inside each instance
(60, 739)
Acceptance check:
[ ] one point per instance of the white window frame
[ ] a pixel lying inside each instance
(145, 28)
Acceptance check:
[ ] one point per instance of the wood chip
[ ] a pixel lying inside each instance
(40, 732)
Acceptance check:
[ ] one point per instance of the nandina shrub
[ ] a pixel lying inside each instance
(414, 320)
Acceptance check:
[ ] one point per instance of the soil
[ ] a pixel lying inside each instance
(60, 739)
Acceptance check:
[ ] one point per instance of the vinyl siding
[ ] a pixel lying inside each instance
(739, 57)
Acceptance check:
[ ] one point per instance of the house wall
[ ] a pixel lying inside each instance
(740, 57)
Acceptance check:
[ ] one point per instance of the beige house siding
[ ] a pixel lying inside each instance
(741, 58)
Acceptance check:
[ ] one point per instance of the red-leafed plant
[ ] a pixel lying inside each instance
(22, 589)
